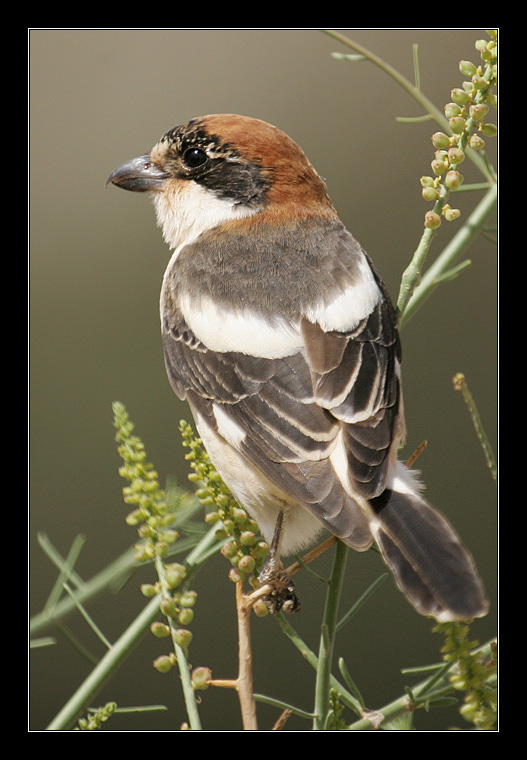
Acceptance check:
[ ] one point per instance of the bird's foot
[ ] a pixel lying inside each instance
(282, 597)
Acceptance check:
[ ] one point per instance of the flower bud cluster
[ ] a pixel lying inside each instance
(181, 637)
(175, 604)
(154, 520)
(468, 124)
(96, 718)
(243, 547)
(472, 675)
(152, 516)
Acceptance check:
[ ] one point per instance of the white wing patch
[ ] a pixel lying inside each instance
(340, 464)
(227, 427)
(241, 331)
(347, 309)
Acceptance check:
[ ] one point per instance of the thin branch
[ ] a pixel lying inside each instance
(460, 384)
(327, 638)
(408, 305)
(243, 684)
(413, 90)
(245, 676)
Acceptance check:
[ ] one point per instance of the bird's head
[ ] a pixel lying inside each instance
(224, 168)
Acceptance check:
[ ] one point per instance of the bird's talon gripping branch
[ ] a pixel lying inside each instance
(281, 597)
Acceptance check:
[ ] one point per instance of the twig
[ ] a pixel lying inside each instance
(282, 720)
(243, 684)
(416, 454)
(460, 384)
(245, 675)
(312, 555)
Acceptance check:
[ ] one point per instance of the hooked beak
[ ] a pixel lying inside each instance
(139, 174)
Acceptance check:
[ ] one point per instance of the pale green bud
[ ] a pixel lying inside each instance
(163, 664)
(430, 193)
(440, 140)
(451, 214)
(479, 82)
(240, 515)
(427, 181)
(457, 124)
(183, 637)
(467, 68)
(460, 97)
(479, 111)
(476, 142)
(146, 531)
(489, 130)
(453, 180)
(168, 607)
(185, 616)
(229, 549)
(246, 564)
(211, 518)
(201, 678)
(456, 155)
(149, 590)
(452, 110)
(160, 630)
(432, 220)
(188, 598)
(134, 518)
(174, 575)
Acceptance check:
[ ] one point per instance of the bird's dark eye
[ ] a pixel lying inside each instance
(193, 158)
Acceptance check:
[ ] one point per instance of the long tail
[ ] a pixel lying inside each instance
(430, 565)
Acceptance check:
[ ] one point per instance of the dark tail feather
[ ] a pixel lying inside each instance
(430, 565)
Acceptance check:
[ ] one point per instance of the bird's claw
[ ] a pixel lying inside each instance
(282, 597)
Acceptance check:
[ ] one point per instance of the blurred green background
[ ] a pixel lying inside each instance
(101, 96)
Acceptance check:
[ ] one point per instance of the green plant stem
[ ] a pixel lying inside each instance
(122, 566)
(181, 657)
(66, 573)
(410, 298)
(188, 690)
(124, 646)
(460, 384)
(327, 637)
(311, 658)
(80, 701)
(422, 694)
(361, 600)
(414, 91)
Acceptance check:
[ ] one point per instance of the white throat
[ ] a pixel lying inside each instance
(185, 210)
